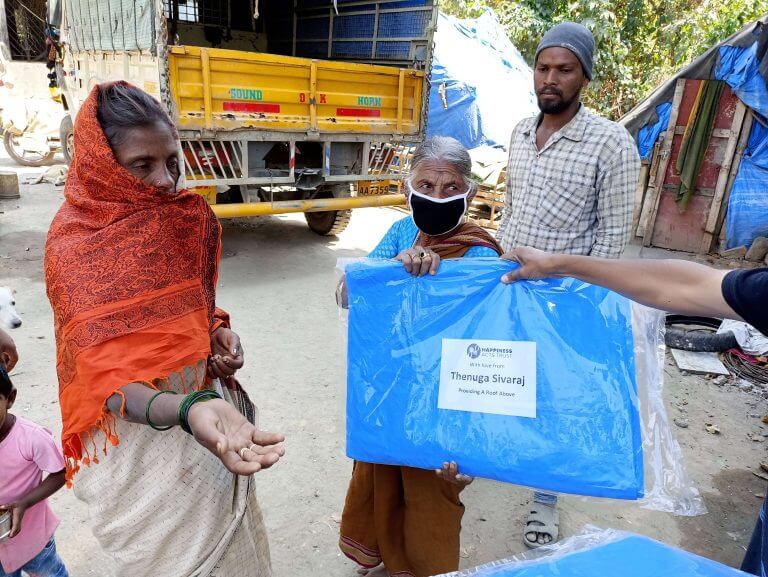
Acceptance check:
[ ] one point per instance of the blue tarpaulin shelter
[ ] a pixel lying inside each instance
(747, 216)
(740, 62)
(481, 86)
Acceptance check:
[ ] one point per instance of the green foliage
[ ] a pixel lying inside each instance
(639, 43)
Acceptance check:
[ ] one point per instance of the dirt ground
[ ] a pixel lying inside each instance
(277, 280)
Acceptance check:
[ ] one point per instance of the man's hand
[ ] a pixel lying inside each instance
(241, 447)
(17, 514)
(419, 261)
(534, 264)
(670, 285)
(226, 354)
(8, 354)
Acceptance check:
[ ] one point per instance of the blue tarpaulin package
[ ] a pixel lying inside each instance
(534, 383)
(604, 552)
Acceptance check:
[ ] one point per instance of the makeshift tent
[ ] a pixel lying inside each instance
(722, 198)
(481, 86)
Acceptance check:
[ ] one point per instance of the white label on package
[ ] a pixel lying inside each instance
(485, 376)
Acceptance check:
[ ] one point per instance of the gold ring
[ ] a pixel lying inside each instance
(241, 452)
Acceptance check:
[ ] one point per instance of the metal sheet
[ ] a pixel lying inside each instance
(112, 25)
(685, 231)
(677, 231)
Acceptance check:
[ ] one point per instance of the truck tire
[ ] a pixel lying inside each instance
(703, 340)
(67, 138)
(330, 222)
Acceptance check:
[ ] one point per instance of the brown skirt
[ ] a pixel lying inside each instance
(407, 518)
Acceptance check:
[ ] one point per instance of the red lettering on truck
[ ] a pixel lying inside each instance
(367, 112)
(251, 107)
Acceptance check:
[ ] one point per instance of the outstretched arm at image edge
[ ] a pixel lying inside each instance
(671, 285)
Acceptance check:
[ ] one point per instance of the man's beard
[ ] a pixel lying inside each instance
(555, 106)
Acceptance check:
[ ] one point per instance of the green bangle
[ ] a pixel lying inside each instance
(191, 399)
(149, 404)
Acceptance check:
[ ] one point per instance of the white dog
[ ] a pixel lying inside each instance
(9, 318)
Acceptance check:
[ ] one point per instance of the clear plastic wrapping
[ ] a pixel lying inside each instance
(551, 384)
(668, 487)
(597, 552)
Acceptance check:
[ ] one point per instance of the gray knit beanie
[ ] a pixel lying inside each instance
(576, 38)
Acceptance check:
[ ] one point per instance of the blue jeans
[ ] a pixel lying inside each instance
(46, 564)
(756, 559)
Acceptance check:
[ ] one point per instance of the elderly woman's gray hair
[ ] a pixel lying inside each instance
(444, 149)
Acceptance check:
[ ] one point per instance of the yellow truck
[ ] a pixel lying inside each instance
(281, 105)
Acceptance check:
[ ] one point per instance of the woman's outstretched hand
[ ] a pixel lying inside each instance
(225, 432)
(226, 354)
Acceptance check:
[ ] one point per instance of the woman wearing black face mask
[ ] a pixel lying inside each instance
(407, 518)
(439, 193)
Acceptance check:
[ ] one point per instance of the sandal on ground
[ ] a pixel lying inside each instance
(542, 527)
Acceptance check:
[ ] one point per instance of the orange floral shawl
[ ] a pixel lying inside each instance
(131, 276)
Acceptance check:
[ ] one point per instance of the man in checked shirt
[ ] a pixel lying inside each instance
(571, 178)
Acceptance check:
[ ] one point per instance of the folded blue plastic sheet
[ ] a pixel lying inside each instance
(631, 556)
(568, 342)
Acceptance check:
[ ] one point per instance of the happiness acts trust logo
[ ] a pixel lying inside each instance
(474, 351)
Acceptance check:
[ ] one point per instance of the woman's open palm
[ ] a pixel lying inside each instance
(224, 431)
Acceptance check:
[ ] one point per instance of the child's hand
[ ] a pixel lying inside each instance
(450, 473)
(17, 514)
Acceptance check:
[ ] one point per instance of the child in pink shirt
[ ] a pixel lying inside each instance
(26, 450)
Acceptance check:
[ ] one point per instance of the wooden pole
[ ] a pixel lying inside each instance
(642, 183)
(722, 179)
(746, 128)
(650, 183)
(654, 194)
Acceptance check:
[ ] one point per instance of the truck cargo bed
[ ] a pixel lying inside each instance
(224, 90)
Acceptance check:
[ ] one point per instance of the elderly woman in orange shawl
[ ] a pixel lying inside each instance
(145, 360)
(410, 519)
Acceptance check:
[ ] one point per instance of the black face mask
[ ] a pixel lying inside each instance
(437, 216)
